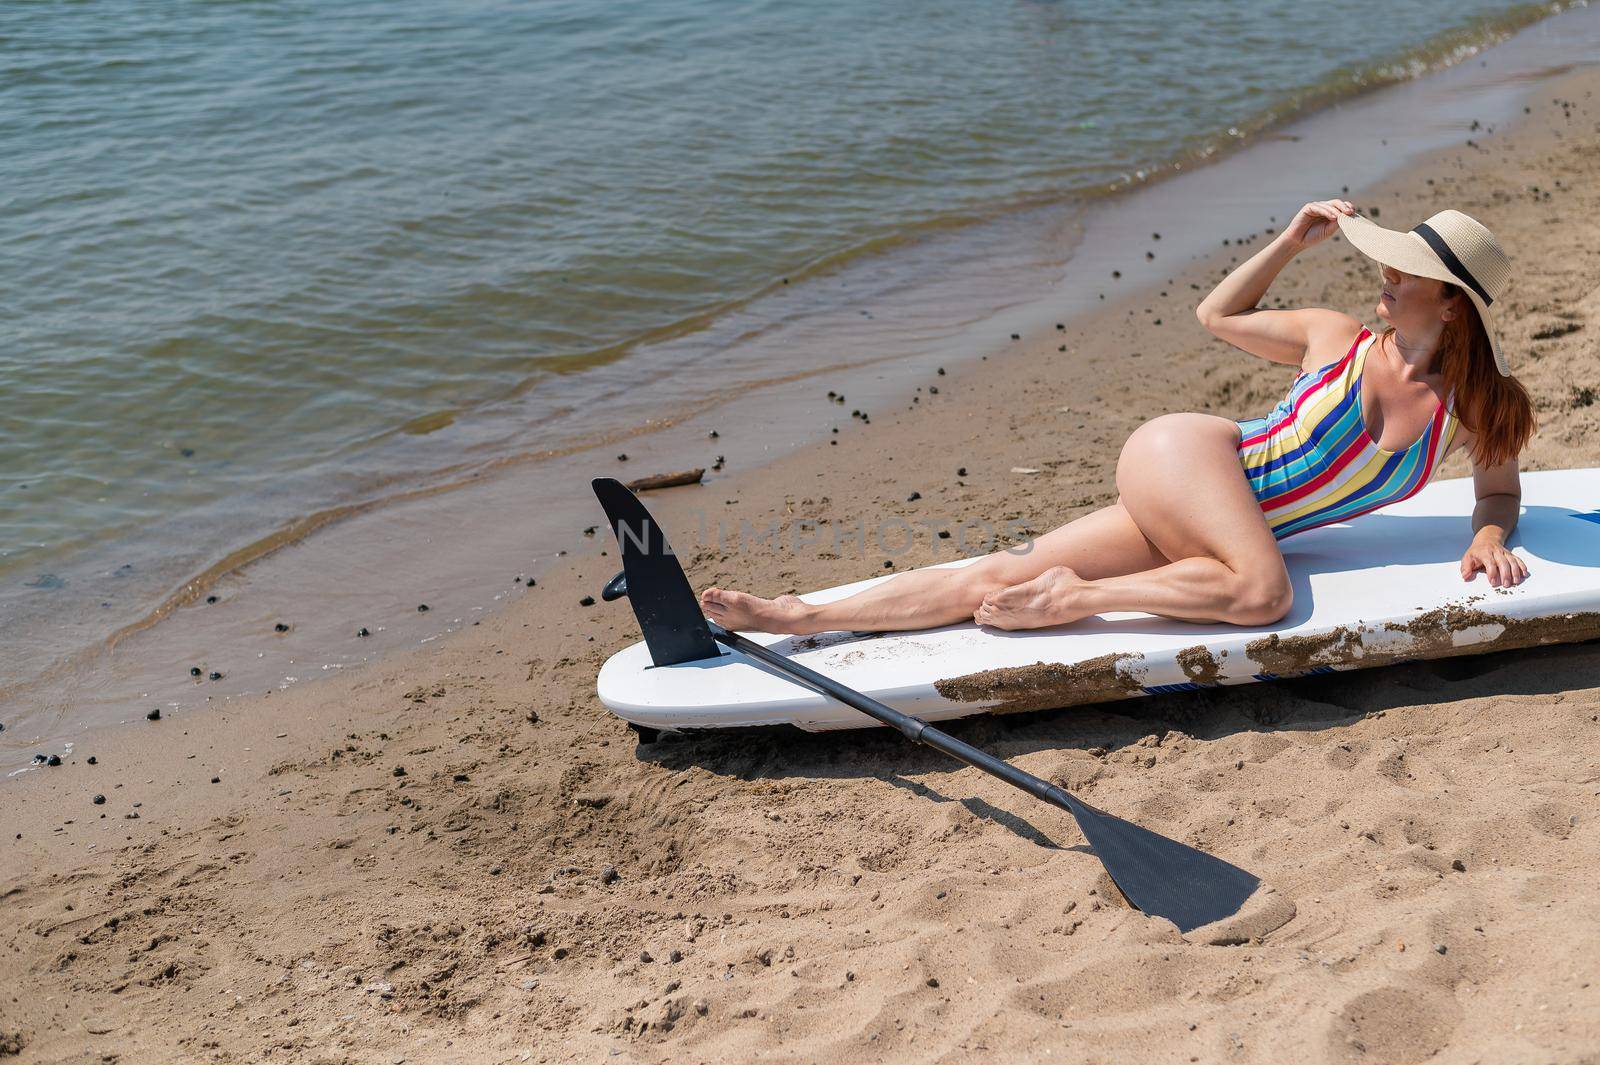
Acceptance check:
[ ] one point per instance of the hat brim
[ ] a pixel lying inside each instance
(1409, 253)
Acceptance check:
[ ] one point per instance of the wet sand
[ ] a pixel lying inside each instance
(456, 854)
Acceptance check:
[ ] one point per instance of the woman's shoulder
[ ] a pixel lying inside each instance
(1331, 337)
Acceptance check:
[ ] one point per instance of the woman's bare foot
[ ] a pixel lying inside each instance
(1051, 598)
(742, 612)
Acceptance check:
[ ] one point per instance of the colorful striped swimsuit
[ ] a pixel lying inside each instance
(1312, 461)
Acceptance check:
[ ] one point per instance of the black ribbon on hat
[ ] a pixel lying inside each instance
(1454, 265)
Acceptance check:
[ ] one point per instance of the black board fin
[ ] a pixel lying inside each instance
(669, 615)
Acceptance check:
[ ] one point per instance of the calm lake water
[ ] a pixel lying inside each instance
(267, 260)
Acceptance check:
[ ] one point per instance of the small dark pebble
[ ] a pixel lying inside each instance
(933, 390)
(1440, 947)
(712, 434)
(933, 981)
(1061, 326)
(674, 956)
(399, 770)
(216, 780)
(214, 675)
(210, 599)
(366, 632)
(941, 371)
(646, 957)
(280, 627)
(154, 715)
(913, 497)
(559, 953)
(195, 671)
(460, 778)
(888, 564)
(587, 600)
(622, 457)
(92, 760)
(1016, 336)
(961, 471)
(495, 870)
(187, 452)
(99, 800)
(1459, 866)
(422, 608)
(53, 760)
(1118, 273)
(1155, 236)
(944, 534)
(38, 759)
(609, 875)
(530, 582)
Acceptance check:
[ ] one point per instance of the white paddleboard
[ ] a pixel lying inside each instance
(1385, 587)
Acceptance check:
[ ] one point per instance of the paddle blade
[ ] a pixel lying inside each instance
(1162, 876)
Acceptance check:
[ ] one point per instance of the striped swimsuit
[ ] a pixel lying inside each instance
(1312, 461)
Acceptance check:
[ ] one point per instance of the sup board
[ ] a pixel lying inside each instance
(1385, 587)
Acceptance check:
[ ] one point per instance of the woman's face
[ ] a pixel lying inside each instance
(1413, 304)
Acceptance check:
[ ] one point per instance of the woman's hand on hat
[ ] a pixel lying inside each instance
(1316, 222)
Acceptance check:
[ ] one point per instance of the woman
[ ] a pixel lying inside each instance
(1204, 500)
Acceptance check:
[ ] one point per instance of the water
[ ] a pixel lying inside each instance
(274, 261)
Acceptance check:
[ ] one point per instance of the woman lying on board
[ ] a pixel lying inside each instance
(1204, 500)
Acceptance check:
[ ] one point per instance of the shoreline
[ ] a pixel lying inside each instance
(413, 859)
(359, 574)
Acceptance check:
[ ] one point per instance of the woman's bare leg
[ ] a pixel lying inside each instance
(1182, 484)
(1103, 543)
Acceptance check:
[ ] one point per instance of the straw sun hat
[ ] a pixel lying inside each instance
(1451, 247)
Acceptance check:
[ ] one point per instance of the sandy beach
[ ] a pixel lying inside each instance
(457, 854)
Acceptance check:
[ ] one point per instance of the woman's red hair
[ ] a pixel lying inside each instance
(1495, 408)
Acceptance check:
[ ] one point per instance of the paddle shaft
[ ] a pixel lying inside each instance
(913, 728)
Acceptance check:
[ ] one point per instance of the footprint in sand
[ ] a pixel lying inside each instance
(1393, 1025)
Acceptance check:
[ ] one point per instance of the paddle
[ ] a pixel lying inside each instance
(1158, 875)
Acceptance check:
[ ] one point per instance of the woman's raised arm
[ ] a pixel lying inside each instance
(1286, 336)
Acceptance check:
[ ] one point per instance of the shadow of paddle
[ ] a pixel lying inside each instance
(1018, 826)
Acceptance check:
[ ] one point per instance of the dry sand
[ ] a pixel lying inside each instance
(458, 855)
